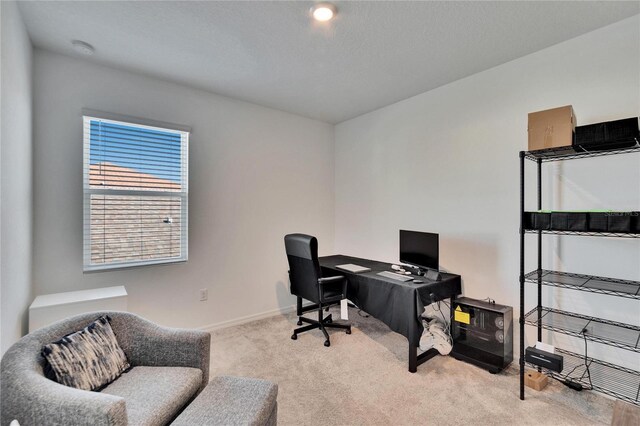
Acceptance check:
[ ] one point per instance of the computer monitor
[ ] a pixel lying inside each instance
(419, 249)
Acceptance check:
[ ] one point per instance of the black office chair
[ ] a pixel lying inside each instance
(307, 283)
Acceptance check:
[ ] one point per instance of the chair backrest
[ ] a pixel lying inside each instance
(304, 268)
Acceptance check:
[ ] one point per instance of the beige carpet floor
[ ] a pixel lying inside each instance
(362, 379)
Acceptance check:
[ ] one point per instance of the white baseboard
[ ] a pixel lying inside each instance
(249, 318)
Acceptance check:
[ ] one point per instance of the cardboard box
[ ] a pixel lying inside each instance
(552, 128)
(535, 380)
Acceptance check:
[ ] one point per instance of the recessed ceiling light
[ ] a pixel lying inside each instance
(323, 12)
(82, 47)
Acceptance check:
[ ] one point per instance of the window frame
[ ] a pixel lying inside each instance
(185, 133)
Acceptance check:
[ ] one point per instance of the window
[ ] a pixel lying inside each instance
(135, 194)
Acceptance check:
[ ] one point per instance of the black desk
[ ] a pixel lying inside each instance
(395, 303)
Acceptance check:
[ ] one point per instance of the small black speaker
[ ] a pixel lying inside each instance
(482, 333)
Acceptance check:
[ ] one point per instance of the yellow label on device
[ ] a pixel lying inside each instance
(460, 316)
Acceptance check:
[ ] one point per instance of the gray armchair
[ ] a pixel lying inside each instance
(170, 367)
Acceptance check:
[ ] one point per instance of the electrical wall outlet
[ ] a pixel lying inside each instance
(204, 294)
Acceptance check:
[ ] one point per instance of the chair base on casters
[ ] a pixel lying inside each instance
(323, 324)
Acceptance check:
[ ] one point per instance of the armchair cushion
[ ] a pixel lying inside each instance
(87, 359)
(149, 344)
(154, 395)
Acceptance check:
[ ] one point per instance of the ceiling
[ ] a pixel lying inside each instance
(271, 53)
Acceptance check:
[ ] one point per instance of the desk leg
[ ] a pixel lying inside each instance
(415, 360)
(451, 302)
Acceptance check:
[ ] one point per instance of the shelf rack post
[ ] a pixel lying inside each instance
(522, 275)
(539, 254)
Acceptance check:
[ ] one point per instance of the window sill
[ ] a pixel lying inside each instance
(120, 266)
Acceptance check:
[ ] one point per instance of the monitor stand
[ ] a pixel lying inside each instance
(428, 273)
(432, 274)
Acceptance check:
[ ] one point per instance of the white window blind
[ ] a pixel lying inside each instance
(135, 194)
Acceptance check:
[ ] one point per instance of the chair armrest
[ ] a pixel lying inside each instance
(146, 343)
(331, 280)
(32, 399)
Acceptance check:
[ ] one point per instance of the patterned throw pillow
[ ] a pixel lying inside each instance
(87, 359)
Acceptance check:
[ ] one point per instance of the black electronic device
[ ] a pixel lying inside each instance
(419, 249)
(482, 333)
(543, 359)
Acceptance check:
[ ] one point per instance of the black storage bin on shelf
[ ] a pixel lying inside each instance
(635, 222)
(619, 222)
(616, 222)
(608, 135)
(599, 221)
(537, 220)
(569, 221)
(528, 222)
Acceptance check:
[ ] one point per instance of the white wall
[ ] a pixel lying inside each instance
(446, 161)
(16, 176)
(255, 175)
